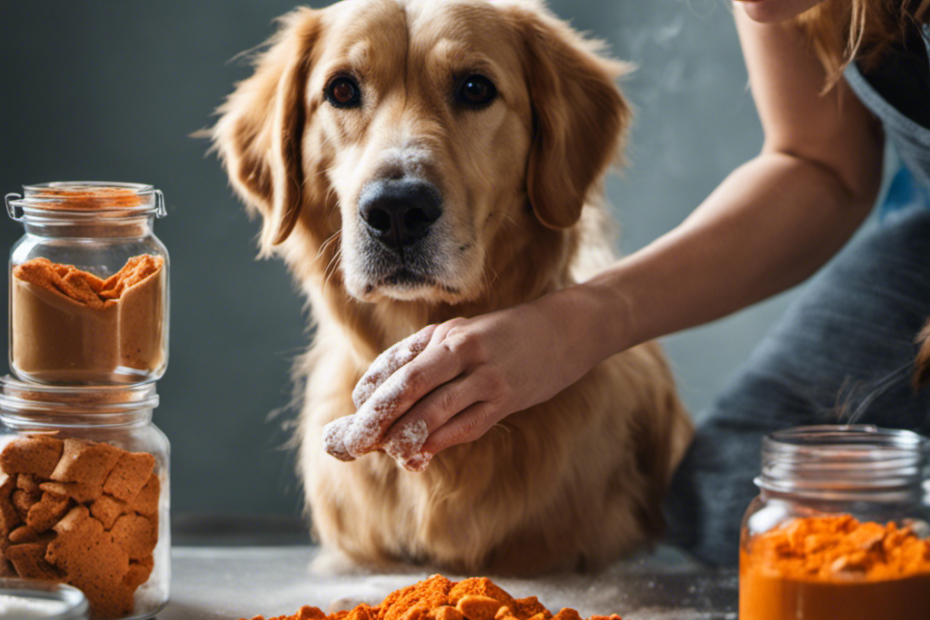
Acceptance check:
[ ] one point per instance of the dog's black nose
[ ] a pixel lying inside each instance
(399, 212)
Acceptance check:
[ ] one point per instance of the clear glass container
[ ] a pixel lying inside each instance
(88, 285)
(84, 493)
(23, 599)
(839, 528)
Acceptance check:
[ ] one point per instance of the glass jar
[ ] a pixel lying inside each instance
(23, 599)
(84, 493)
(88, 284)
(840, 527)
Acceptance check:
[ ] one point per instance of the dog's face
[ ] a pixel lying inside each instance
(424, 125)
(428, 125)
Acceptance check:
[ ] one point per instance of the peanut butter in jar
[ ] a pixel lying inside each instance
(839, 529)
(88, 285)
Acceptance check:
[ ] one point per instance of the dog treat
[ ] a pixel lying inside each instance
(69, 326)
(821, 568)
(88, 519)
(437, 598)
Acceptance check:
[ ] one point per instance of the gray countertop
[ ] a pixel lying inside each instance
(226, 583)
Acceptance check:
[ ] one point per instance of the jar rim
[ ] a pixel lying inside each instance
(837, 461)
(83, 200)
(18, 396)
(75, 605)
(835, 437)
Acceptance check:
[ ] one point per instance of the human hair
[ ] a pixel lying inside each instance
(843, 30)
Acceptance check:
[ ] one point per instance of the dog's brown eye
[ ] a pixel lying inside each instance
(343, 92)
(477, 91)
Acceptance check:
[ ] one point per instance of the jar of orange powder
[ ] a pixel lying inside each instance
(840, 527)
(88, 284)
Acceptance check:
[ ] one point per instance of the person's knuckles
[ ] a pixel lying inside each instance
(465, 344)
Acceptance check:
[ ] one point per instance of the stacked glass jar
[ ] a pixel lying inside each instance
(841, 527)
(84, 496)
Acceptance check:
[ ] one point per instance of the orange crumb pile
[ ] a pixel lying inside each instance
(84, 287)
(437, 598)
(841, 547)
(78, 197)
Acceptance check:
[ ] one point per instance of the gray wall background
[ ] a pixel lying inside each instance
(111, 90)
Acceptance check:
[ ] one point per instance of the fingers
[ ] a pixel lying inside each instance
(468, 425)
(389, 362)
(396, 395)
(406, 438)
(333, 442)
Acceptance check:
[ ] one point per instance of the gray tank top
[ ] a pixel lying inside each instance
(897, 91)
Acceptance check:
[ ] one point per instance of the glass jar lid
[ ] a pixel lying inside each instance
(843, 462)
(22, 599)
(85, 199)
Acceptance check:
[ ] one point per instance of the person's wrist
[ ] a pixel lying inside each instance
(586, 316)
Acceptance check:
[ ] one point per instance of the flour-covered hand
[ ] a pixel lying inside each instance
(449, 384)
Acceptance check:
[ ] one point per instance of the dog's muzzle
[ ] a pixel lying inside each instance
(399, 212)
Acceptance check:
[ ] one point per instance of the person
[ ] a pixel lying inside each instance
(831, 80)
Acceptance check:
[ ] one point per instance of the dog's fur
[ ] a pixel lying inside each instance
(922, 365)
(570, 483)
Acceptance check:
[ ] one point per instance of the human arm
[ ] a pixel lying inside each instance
(769, 225)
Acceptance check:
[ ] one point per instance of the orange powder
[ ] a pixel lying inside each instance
(437, 598)
(822, 568)
(69, 326)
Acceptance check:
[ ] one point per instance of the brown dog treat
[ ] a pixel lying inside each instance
(81, 493)
(107, 510)
(136, 535)
(310, 613)
(47, 511)
(567, 614)
(23, 501)
(366, 612)
(477, 607)
(529, 607)
(28, 483)
(29, 561)
(445, 612)
(481, 586)
(9, 518)
(146, 502)
(361, 612)
(92, 562)
(34, 454)
(86, 462)
(139, 572)
(6, 568)
(23, 534)
(130, 474)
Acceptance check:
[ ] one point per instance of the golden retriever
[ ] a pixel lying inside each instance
(419, 160)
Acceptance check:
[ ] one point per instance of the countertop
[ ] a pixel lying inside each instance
(227, 583)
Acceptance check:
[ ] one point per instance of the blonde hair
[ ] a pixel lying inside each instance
(843, 30)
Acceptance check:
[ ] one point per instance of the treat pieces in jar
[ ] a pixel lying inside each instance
(82, 513)
(437, 598)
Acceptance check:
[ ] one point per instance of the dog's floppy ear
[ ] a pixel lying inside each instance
(261, 127)
(922, 375)
(580, 117)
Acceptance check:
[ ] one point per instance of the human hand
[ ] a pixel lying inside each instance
(449, 383)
